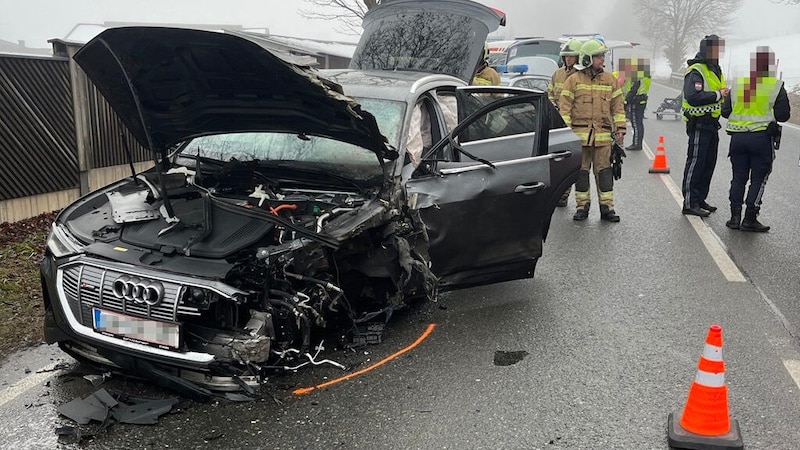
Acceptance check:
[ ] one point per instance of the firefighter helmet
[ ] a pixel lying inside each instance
(571, 48)
(590, 48)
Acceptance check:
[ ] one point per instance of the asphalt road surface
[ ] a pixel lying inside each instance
(600, 347)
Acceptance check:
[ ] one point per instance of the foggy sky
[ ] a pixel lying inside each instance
(36, 21)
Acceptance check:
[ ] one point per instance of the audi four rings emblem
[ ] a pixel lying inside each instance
(138, 290)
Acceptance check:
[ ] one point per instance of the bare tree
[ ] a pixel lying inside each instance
(348, 13)
(678, 25)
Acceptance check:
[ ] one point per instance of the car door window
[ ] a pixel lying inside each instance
(506, 120)
(495, 124)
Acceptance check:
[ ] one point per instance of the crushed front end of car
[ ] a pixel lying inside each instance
(270, 222)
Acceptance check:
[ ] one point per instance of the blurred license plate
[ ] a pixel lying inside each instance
(144, 331)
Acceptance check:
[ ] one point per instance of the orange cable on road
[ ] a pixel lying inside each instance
(419, 340)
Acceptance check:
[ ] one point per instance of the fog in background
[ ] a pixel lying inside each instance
(36, 21)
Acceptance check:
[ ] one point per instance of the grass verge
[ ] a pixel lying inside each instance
(21, 309)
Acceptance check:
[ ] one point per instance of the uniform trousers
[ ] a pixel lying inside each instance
(637, 123)
(751, 159)
(701, 159)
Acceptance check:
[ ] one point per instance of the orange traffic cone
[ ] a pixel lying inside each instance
(660, 161)
(705, 423)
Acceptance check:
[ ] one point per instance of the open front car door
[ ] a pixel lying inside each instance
(486, 191)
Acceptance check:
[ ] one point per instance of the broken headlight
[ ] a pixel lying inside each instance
(61, 243)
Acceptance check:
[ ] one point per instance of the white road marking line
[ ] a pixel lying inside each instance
(793, 367)
(710, 239)
(20, 387)
(790, 125)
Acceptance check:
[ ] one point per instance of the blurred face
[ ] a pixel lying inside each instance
(763, 63)
(717, 49)
(598, 61)
(570, 60)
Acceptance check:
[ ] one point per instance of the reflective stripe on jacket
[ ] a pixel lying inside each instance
(557, 82)
(757, 113)
(592, 106)
(711, 83)
(486, 77)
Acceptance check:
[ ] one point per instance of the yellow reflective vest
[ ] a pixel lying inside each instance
(756, 113)
(711, 83)
(644, 88)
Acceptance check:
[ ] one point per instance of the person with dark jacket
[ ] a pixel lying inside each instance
(704, 90)
(756, 104)
(636, 101)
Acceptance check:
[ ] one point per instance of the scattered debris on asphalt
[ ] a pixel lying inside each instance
(103, 407)
(97, 380)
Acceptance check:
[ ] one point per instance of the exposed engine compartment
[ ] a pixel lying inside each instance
(300, 263)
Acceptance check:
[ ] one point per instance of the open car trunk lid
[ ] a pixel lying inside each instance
(438, 36)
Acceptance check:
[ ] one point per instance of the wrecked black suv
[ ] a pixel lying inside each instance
(286, 203)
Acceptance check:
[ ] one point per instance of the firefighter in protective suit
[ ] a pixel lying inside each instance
(591, 104)
(569, 56)
(485, 75)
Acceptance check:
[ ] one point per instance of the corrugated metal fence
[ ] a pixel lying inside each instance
(46, 105)
(38, 150)
(106, 133)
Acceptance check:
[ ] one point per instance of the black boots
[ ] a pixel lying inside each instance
(608, 214)
(750, 223)
(736, 218)
(707, 207)
(696, 211)
(581, 213)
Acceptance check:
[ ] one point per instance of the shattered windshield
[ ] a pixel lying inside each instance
(313, 152)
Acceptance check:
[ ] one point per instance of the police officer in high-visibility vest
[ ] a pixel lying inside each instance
(756, 104)
(569, 56)
(636, 100)
(703, 93)
(625, 80)
(591, 104)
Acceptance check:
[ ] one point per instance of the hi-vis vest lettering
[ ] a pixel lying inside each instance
(711, 83)
(757, 113)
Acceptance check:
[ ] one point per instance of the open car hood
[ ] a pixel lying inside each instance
(439, 36)
(170, 84)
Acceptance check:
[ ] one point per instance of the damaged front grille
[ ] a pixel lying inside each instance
(86, 286)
